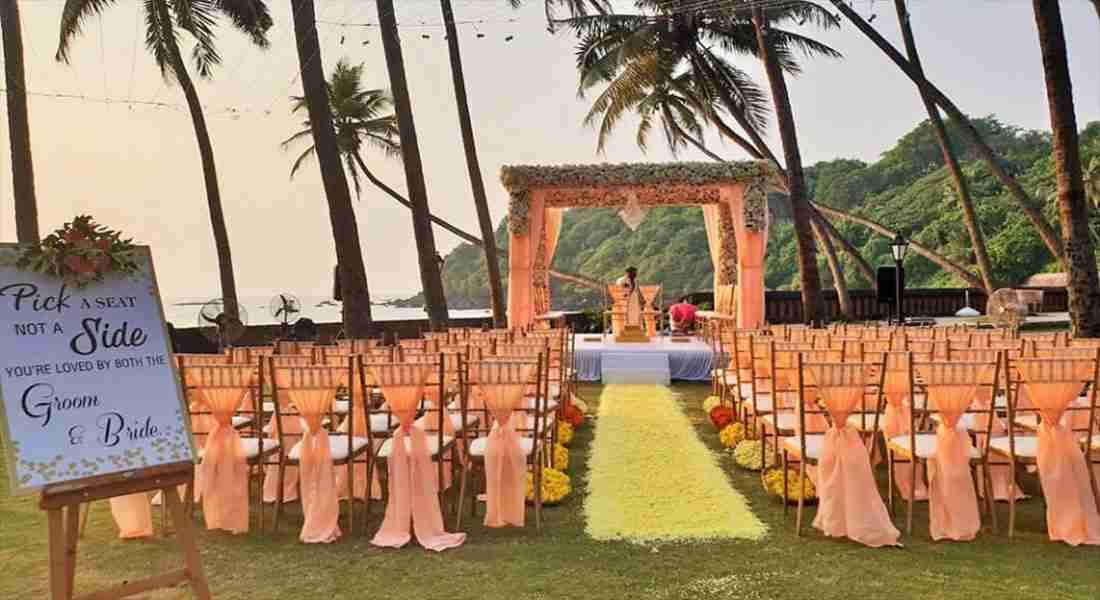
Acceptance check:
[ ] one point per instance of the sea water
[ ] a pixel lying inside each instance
(184, 312)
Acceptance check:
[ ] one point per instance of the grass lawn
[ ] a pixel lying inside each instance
(563, 562)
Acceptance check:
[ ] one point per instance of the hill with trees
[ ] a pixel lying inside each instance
(908, 190)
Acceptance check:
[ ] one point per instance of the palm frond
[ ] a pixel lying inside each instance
(250, 17)
(160, 35)
(73, 16)
(307, 154)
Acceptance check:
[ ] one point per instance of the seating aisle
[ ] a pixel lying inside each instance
(651, 479)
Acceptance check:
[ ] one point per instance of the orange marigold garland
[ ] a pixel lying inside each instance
(573, 416)
(721, 416)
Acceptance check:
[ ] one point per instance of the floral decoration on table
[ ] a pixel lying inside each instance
(555, 486)
(561, 457)
(721, 416)
(572, 415)
(519, 180)
(565, 433)
(732, 435)
(772, 479)
(747, 455)
(81, 252)
(710, 403)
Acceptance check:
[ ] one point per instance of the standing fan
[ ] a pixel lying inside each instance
(1005, 308)
(285, 309)
(218, 326)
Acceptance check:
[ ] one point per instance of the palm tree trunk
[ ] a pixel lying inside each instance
(861, 263)
(430, 278)
(22, 167)
(1084, 284)
(917, 247)
(810, 279)
(1030, 209)
(345, 229)
(477, 185)
(970, 217)
(209, 171)
(836, 269)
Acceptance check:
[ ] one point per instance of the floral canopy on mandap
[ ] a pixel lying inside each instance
(733, 196)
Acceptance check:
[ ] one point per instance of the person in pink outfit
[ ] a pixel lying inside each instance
(682, 316)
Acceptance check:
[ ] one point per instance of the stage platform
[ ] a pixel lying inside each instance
(686, 361)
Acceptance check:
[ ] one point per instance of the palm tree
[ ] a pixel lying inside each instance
(970, 217)
(19, 136)
(163, 22)
(1073, 210)
(430, 277)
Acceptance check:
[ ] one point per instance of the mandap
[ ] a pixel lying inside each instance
(733, 196)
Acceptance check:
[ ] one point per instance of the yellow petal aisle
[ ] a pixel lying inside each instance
(651, 479)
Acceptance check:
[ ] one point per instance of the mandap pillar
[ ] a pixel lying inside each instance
(523, 247)
(751, 231)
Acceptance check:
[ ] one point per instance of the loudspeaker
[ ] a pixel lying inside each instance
(885, 284)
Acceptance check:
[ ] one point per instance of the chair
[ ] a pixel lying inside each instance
(951, 389)
(311, 391)
(1051, 389)
(850, 505)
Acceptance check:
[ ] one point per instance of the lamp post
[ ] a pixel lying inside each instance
(899, 247)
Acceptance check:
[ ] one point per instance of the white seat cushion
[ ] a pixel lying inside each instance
(529, 404)
(857, 421)
(926, 445)
(478, 446)
(763, 404)
(251, 447)
(1028, 420)
(555, 390)
(729, 379)
(814, 443)
(339, 444)
(433, 445)
(1095, 445)
(341, 406)
(241, 421)
(1026, 446)
(787, 421)
(967, 421)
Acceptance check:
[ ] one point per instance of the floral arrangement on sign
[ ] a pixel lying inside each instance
(81, 252)
(555, 486)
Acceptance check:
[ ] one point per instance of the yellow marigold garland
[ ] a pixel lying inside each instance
(732, 435)
(555, 486)
(561, 457)
(747, 455)
(773, 485)
(710, 403)
(565, 433)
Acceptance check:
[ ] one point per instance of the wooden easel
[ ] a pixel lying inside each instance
(62, 506)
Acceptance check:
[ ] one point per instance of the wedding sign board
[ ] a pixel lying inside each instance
(87, 381)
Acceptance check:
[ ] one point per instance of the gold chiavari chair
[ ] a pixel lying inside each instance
(950, 389)
(1061, 394)
(760, 401)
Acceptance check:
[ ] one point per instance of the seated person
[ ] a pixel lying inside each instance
(682, 316)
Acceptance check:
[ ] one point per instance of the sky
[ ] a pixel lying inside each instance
(135, 167)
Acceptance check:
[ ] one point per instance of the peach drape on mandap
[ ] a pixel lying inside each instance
(317, 474)
(134, 515)
(224, 467)
(1071, 508)
(501, 387)
(896, 421)
(953, 502)
(850, 504)
(521, 261)
(713, 223)
(412, 488)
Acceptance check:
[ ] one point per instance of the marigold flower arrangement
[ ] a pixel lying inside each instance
(773, 485)
(732, 435)
(721, 416)
(555, 486)
(711, 403)
(580, 404)
(573, 416)
(81, 252)
(747, 455)
(561, 457)
(565, 433)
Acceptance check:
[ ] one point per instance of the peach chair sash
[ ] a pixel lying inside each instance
(850, 503)
(897, 420)
(413, 487)
(317, 475)
(290, 426)
(501, 388)
(224, 467)
(1051, 386)
(134, 516)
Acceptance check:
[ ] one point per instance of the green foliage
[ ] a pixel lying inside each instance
(908, 189)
